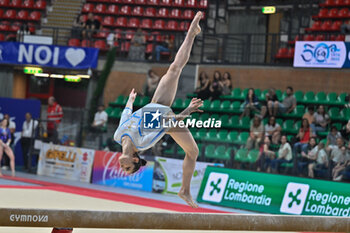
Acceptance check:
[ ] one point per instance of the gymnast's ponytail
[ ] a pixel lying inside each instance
(139, 164)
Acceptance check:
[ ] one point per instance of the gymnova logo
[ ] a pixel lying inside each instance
(28, 218)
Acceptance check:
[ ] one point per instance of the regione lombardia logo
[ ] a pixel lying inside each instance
(294, 198)
(215, 188)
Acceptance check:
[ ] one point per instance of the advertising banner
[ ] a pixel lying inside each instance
(322, 54)
(275, 194)
(107, 171)
(167, 176)
(48, 55)
(65, 162)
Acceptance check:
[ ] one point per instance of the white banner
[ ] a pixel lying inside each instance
(167, 176)
(320, 54)
(65, 162)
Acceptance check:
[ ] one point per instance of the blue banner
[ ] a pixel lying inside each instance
(48, 55)
(322, 54)
(17, 108)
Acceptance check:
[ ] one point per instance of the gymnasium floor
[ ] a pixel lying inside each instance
(31, 191)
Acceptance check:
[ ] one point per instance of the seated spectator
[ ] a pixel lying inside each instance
(345, 132)
(151, 83)
(137, 46)
(287, 105)
(273, 130)
(203, 89)
(100, 120)
(332, 139)
(306, 155)
(256, 134)
(226, 84)
(91, 26)
(345, 27)
(215, 88)
(265, 155)
(251, 104)
(77, 28)
(321, 119)
(269, 97)
(164, 46)
(340, 167)
(302, 137)
(284, 155)
(319, 156)
(337, 155)
(309, 115)
(24, 30)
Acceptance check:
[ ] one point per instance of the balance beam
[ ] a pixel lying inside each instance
(175, 221)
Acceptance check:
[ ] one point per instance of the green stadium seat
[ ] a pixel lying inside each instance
(234, 122)
(195, 115)
(170, 151)
(341, 98)
(241, 155)
(321, 98)
(290, 138)
(299, 96)
(337, 125)
(121, 100)
(191, 95)
(346, 113)
(224, 121)
(222, 136)
(288, 126)
(298, 112)
(279, 94)
(235, 107)
(232, 136)
(109, 111)
(334, 114)
(137, 102)
(221, 153)
(144, 100)
(211, 135)
(116, 113)
(236, 93)
(309, 97)
(262, 96)
(215, 116)
(253, 156)
(279, 121)
(225, 106)
(206, 105)
(244, 94)
(242, 138)
(200, 134)
(185, 103)
(215, 106)
(244, 123)
(332, 98)
(204, 116)
(257, 92)
(209, 151)
(178, 103)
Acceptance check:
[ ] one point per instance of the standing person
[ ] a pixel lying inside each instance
(100, 119)
(54, 117)
(321, 119)
(287, 105)
(256, 134)
(12, 127)
(319, 155)
(28, 132)
(151, 83)
(5, 140)
(226, 84)
(129, 132)
(284, 155)
(138, 46)
(202, 90)
(215, 88)
(251, 103)
(273, 130)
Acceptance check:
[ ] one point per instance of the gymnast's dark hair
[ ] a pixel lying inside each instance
(139, 164)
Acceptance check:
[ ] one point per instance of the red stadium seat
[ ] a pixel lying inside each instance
(74, 42)
(203, 4)
(333, 13)
(282, 53)
(150, 12)
(347, 2)
(10, 14)
(86, 43)
(121, 22)
(118, 33)
(320, 38)
(172, 25)
(85, 17)
(175, 13)
(2, 37)
(22, 15)
(149, 48)
(184, 26)
(290, 53)
(4, 26)
(326, 26)
(133, 23)
(112, 9)
(328, 3)
(178, 3)
(162, 13)
(343, 13)
(159, 24)
(16, 3)
(99, 18)
(137, 11)
(165, 3)
(332, 38)
(100, 44)
(15, 26)
(336, 25)
(40, 5)
(88, 7)
(128, 1)
(28, 4)
(129, 34)
(316, 26)
(100, 9)
(103, 33)
(146, 23)
(116, 1)
(339, 2)
(153, 2)
(141, 2)
(35, 16)
(108, 21)
(31, 27)
(125, 46)
(4, 3)
(340, 38)
(309, 38)
(191, 3)
(188, 14)
(323, 13)
(1, 13)
(125, 10)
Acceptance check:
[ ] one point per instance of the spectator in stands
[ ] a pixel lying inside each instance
(251, 104)
(265, 154)
(309, 115)
(77, 28)
(303, 137)
(345, 27)
(5, 140)
(340, 167)
(24, 30)
(269, 97)
(138, 46)
(332, 137)
(12, 127)
(204, 84)
(284, 155)
(287, 105)
(273, 130)
(100, 119)
(319, 155)
(54, 117)
(256, 134)
(215, 88)
(164, 46)
(226, 84)
(345, 132)
(28, 132)
(347, 100)
(151, 83)
(91, 26)
(306, 155)
(321, 119)
(337, 155)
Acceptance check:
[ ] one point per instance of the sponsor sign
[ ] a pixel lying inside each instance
(48, 55)
(168, 175)
(322, 54)
(275, 194)
(107, 171)
(65, 162)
